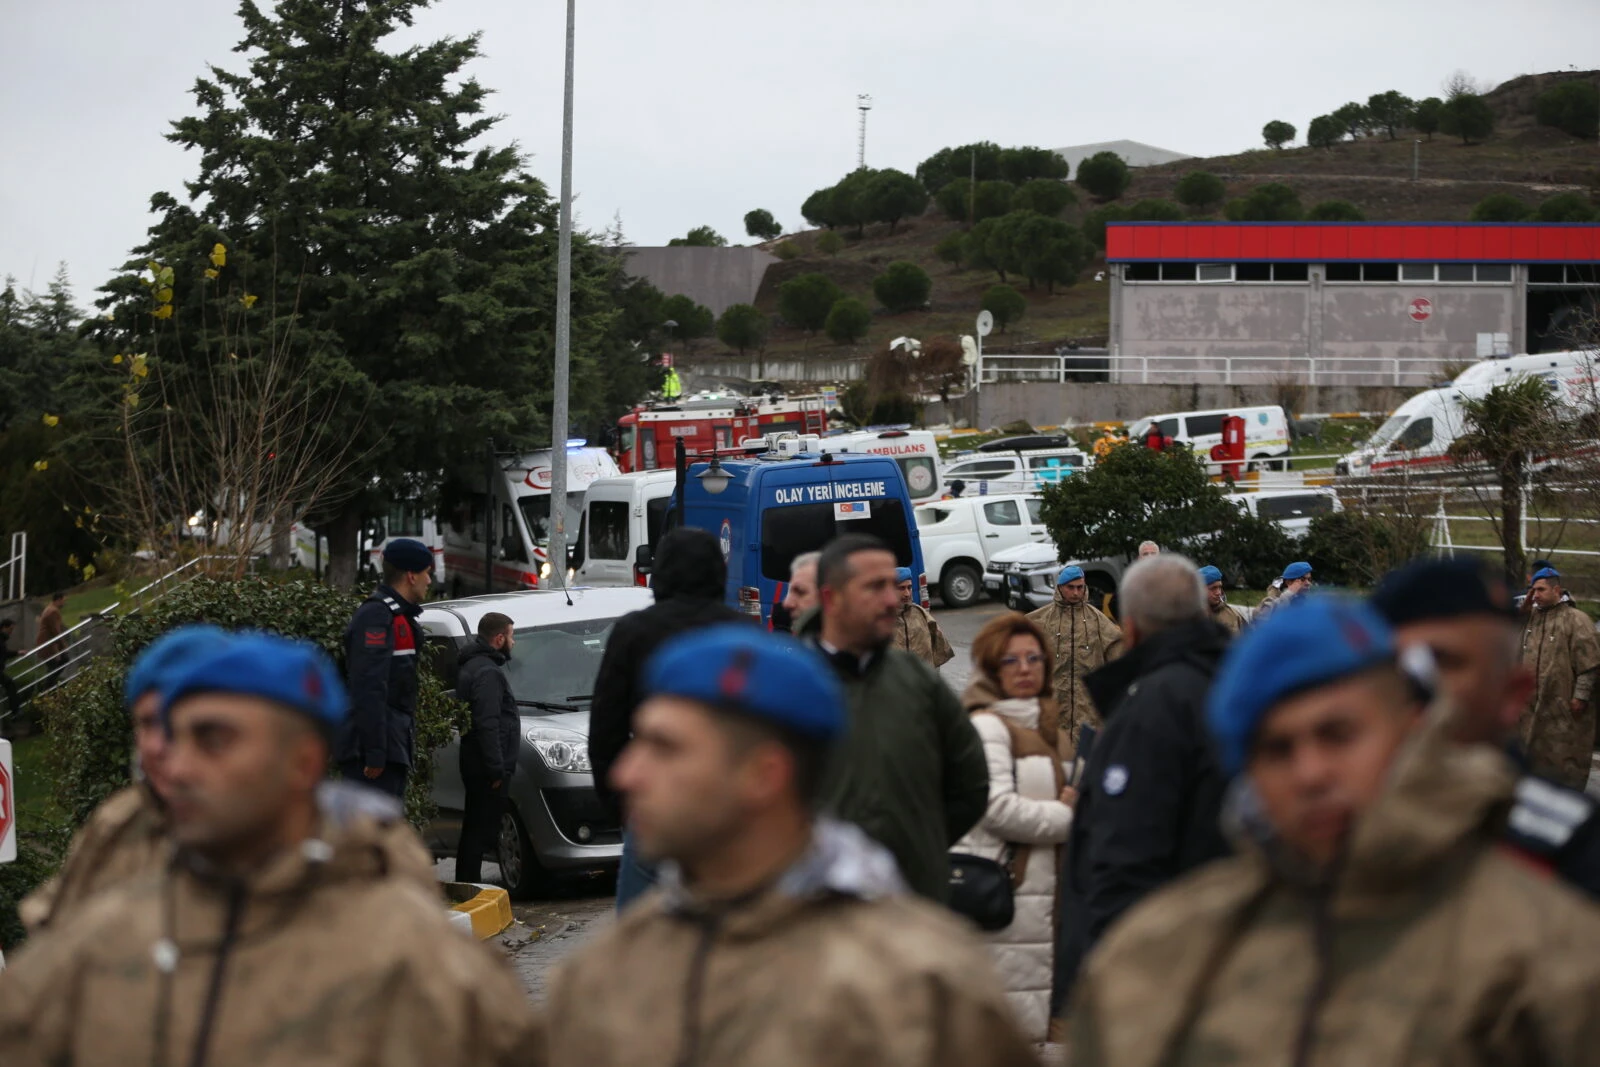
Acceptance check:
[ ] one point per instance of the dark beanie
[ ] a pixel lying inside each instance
(1441, 589)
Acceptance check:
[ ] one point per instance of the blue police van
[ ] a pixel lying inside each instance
(787, 496)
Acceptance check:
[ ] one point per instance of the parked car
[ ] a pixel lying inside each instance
(1012, 472)
(1027, 442)
(1292, 509)
(554, 821)
(959, 536)
(1024, 578)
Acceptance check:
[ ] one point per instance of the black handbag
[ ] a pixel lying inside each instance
(981, 889)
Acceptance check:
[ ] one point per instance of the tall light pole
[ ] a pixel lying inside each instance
(556, 554)
(863, 105)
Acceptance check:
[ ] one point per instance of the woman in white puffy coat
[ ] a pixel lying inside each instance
(1030, 806)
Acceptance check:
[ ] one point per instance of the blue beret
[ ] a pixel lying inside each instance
(902, 574)
(167, 655)
(763, 675)
(1309, 642)
(408, 555)
(1069, 574)
(1210, 575)
(1546, 572)
(1296, 570)
(296, 674)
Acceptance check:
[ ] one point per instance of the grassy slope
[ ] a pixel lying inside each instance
(1520, 158)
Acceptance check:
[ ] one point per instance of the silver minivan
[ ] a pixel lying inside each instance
(555, 821)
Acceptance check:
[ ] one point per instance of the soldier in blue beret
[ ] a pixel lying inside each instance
(918, 631)
(1223, 614)
(1369, 855)
(772, 930)
(376, 743)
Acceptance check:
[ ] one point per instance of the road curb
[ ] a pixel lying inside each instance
(482, 910)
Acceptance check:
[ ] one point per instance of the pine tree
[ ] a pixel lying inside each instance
(349, 180)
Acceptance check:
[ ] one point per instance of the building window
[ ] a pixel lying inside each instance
(1380, 272)
(1213, 273)
(1291, 272)
(1253, 272)
(1216, 272)
(1178, 272)
(1455, 272)
(1494, 272)
(1141, 272)
(1416, 272)
(1546, 274)
(1344, 272)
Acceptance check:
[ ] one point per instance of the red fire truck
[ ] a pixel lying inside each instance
(645, 436)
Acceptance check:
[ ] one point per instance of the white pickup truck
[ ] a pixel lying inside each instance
(959, 536)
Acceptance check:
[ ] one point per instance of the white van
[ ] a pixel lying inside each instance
(915, 451)
(621, 514)
(986, 473)
(1266, 430)
(518, 530)
(1418, 436)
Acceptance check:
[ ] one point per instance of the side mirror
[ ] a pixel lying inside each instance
(643, 558)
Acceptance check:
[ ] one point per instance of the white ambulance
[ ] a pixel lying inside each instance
(915, 451)
(1266, 430)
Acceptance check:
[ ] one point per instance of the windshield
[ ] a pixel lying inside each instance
(1388, 431)
(557, 665)
(625, 439)
(536, 514)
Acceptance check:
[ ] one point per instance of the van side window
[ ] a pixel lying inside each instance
(1418, 435)
(1168, 427)
(1293, 507)
(1035, 511)
(509, 541)
(1003, 513)
(608, 529)
(479, 506)
(980, 467)
(1202, 425)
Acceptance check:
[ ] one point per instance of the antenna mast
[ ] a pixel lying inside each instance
(863, 105)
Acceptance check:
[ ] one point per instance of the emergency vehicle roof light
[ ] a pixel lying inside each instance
(577, 442)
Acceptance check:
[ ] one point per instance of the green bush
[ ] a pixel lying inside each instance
(848, 321)
(1277, 133)
(1573, 107)
(1005, 304)
(1566, 207)
(1499, 207)
(1249, 551)
(903, 286)
(1047, 196)
(1105, 175)
(1200, 190)
(830, 243)
(1273, 202)
(804, 302)
(1335, 211)
(1355, 549)
(952, 249)
(88, 727)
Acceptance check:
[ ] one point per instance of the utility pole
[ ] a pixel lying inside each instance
(556, 554)
(863, 105)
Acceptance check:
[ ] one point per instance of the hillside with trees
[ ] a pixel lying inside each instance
(919, 251)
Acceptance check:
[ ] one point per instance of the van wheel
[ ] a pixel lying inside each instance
(960, 585)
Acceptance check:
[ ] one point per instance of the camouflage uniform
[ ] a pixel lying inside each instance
(125, 838)
(1431, 947)
(1559, 643)
(1081, 640)
(1229, 618)
(919, 634)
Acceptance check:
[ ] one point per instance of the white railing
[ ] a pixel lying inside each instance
(1215, 370)
(47, 666)
(16, 568)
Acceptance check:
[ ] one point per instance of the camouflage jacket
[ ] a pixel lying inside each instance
(918, 633)
(1229, 618)
(1081, 640)
(125, 838)
(1559, 644)
(1432, 946)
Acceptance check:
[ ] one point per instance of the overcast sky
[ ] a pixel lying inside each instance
(695, 111)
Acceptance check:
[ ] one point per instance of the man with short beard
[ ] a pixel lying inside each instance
(127, 835)
(1560, 646)
(297, 922)
(911, 772)
(1083, 640)
(1371, 915)
(778, 937)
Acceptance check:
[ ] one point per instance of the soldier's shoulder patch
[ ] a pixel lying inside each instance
(1115, 780)
(376, 637)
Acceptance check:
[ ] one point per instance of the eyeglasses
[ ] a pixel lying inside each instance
(1011, 663)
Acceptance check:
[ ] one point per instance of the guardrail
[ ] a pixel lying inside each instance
(49, 665)
(1214, 370)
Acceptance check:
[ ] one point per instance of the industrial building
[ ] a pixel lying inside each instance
(1340, 303)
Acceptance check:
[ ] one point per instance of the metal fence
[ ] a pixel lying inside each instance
(1215, 370)
(51, 664)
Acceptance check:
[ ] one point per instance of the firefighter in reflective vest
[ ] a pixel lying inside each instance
(376, 741)
(671, 386)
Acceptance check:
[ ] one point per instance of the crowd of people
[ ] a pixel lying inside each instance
(1338, 830)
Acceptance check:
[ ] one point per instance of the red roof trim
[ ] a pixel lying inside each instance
(1333, 242)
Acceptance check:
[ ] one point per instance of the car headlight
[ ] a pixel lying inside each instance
(561, 750)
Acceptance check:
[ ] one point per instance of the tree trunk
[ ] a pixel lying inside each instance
(1511, 519)
(282, 545)
(344, 533)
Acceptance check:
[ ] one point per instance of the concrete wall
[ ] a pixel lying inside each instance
(1268, 331)
(1051, 404)
(715, 277)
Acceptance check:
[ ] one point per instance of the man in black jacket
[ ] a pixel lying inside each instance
(1150, 800)
(489, 749)
(689, 581)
